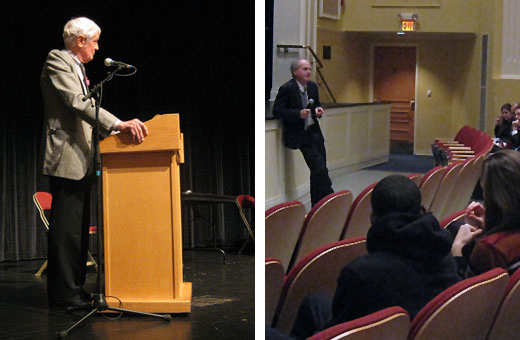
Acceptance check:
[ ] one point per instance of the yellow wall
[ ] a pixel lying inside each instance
(451, 16)
(346, 72)
(452, 104)
(449, 44)
(500, 90)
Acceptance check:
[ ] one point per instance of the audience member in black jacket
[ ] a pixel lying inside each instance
(408, 264)
(515, 136)
(503, 123)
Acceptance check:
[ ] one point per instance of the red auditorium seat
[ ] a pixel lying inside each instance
(453, 218)
(358, 220)
(429, 184)
(465, 311)
(459, 137)
(416, 178)
(443, 192)
(482, 146)
(274, 277)
(389, 324)
(283, 224)
(323, 224)
(506, 325)
(316, 273)
(465, 185)
(469, 142)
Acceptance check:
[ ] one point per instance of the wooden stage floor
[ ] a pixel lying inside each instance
(222, 304)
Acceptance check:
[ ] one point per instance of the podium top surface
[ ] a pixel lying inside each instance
(163, 135)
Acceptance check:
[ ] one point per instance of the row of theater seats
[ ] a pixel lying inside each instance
(482, 307)
(317, 272)
(468, 142)
(291, 234)
(306, 252)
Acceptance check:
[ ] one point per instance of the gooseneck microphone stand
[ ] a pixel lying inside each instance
(99, 301)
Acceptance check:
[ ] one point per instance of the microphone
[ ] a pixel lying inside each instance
(109, 62)
(310, 103)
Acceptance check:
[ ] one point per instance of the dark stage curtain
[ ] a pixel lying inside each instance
(197, 61)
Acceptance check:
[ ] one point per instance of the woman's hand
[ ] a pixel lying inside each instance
(476, 215)
(465, 235)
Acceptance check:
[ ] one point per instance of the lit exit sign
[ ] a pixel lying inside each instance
(408, 25)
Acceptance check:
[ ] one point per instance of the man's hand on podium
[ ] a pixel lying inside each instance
(135, 127)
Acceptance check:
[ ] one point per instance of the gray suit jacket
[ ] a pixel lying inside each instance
(68, 121)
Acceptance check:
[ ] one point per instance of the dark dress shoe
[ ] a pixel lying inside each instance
(77, 302)
(86, 295)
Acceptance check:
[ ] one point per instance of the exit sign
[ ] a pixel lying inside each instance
(408, 25)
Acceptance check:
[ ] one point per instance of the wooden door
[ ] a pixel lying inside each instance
(394, 81)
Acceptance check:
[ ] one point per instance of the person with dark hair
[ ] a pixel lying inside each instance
(503, 123)
(491, 237)
(408, 263)
(515, 136)
(301, 128)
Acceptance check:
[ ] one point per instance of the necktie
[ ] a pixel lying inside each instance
(304, 105)
(85, 79)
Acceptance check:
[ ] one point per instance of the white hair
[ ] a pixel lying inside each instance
(294, 66)
(79, 26)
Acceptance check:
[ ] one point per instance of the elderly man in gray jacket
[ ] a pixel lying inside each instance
(67, 158)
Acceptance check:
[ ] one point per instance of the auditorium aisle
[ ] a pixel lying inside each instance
(398, 164)
(222, 306)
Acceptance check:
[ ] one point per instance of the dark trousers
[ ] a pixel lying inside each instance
(314, 315)
(313, 150)
(68, 238)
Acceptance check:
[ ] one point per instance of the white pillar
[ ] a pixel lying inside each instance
(294, 23)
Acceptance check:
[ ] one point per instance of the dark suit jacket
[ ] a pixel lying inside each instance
(287, 106)
(515, 140)
(503, 131)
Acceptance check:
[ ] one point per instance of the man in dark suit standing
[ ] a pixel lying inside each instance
(298, 105)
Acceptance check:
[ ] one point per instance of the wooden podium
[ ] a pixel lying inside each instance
(142, 219)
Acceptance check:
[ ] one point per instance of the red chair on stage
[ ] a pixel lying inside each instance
(43, 202)
(274, 278)
(389, 324)
(246, 201)
(506, 325)
(283, 224)
(315, 273)
(465, 311)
